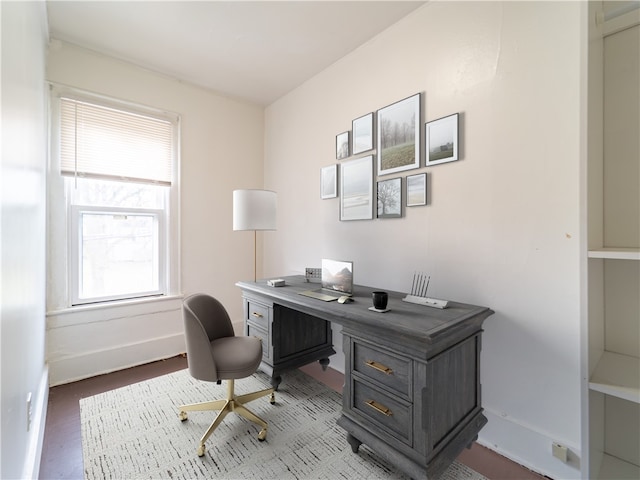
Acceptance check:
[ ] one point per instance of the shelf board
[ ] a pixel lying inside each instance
(621, 22)
(615, 253)
(613, 467)
(617, 375)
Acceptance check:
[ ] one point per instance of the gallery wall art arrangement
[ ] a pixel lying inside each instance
(388, 142)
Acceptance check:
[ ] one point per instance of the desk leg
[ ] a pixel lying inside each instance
(275, 381)
(324, 363)
(354, 442)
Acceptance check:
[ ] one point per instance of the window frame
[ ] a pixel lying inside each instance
(76, 254)
(63, 291)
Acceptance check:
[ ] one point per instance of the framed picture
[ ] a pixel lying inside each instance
(441, 140)
(390, 198)
(342, 145)
(416, 190)
(329, 182)
(356, 189)
(362, 129)
(398, 136)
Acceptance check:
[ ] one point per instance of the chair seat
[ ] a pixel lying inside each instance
(236, 357)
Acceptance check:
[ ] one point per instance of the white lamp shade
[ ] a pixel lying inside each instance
(254, 210)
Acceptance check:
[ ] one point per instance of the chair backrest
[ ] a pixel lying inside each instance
(205, 320)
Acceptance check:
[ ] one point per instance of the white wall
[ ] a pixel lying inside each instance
(502, 225)
(221, 150)
(22, 237)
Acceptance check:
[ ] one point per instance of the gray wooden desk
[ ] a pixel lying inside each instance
(412, 375)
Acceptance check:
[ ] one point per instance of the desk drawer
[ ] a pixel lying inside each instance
(253, 331)
(258, 314)
(383, 411)
(387, 369)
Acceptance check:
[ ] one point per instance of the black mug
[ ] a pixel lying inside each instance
(380, 300)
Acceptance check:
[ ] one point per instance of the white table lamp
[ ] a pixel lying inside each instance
(254, 210)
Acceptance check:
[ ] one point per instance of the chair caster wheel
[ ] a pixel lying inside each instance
(262, 435)
(182, 416)
(272, 399)
(201, 451)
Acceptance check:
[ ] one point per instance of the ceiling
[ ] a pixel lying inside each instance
(254, 50)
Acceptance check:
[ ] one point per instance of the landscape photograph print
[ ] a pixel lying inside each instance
(362, 129)
(329, 182)
(441, 140)
(417, 190)
(390, 198)
(356, 189)
(342, 145)
(398, 136)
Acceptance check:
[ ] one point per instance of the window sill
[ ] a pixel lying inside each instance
(100, 312)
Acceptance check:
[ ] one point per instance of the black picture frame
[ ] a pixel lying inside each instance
(416, 190)
(398, 135)
(356, 189)
(342, 145)
(362, 134)
(442, 140)
(329, 182)
(389, 198)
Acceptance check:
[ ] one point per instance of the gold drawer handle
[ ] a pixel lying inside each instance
(379, 408)
(257, 315)
(378, 366)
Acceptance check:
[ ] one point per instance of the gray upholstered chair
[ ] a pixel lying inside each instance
(214, 354)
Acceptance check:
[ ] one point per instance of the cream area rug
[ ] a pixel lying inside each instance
(134, 432)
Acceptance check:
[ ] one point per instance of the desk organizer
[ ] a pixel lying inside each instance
(418, 293)
(426, 301)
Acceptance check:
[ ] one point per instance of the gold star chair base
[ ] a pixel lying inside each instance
(232, 403)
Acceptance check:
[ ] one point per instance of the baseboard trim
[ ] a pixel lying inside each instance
(528, 447)
(31, 467)
(98, 362)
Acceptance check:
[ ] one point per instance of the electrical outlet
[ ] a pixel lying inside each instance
(29, 411)
(559, 451)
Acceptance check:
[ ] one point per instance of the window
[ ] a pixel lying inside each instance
(116, 247)
(118, 165)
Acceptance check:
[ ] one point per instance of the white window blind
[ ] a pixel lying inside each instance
(102, 142)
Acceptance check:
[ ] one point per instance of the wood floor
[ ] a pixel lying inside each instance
(62, 449)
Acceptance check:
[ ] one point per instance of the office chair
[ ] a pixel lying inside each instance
(214, 354)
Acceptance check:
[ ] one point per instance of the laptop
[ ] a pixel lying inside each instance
(337, 281)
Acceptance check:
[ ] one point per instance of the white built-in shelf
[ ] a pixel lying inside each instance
(616, 253)
(613, 467)
(617, 375)
(621, 22)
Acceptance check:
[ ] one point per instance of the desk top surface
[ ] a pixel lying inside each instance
(418, 322)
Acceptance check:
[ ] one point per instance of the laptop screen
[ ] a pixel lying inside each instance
(337, 276)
